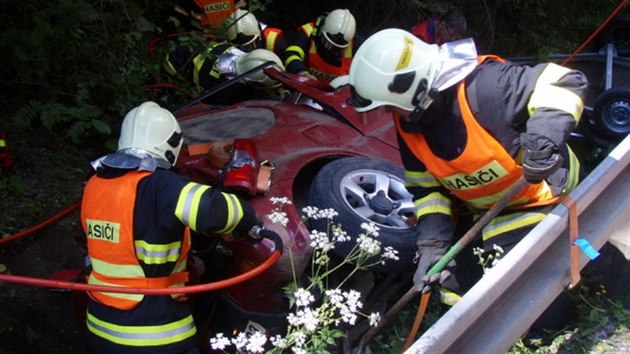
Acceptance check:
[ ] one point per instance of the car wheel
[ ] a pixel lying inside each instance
(364, 190)
(616, 32)
(611, 113)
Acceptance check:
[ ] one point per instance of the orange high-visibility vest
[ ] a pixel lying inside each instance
(107, 219)
(215, 11)
(484, 171)
(317, 66)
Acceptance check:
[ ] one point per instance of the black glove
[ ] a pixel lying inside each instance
(257, 233)
(540, 157)
(430, 253)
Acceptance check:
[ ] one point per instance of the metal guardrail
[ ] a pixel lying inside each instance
(493, 314)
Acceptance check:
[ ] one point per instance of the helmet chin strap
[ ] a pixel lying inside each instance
(422, 100)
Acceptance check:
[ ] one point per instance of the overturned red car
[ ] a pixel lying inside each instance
(314, 149)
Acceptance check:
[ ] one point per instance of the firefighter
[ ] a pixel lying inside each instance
(220, 62)
(441, 29)
(246, 32)
(137, 215)
(468, 127)
(324, 48)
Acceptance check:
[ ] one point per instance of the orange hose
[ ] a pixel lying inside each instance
(41, 225)
(146, 291)
(601, 26)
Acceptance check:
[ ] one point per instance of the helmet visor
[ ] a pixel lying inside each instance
(334, 40)
(246, 43)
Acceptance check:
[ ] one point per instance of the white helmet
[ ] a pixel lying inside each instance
(256, 57)
(151, 128)
(339, 28)
(339, 81)
(394, 67)
(243, 29)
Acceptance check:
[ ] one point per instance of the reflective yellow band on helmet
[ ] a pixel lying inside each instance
(506, 223)
(547, 95)
(235, 212)
(420, 179)
(433, 203)
(188, 204)
(157, 254)
(141, 336)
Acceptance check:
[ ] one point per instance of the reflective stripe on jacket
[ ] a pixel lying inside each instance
(483, 172)
(107, 218)
(271, 36)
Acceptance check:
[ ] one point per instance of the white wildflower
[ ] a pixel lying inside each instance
(352, 299)
(339, 235)
(321, 258)
(375, 318)
(390, 253)
(327, 214)
(299, 338)
(320, 241)
(370, 229)
(240, 342)
(256, 343)
(280, 200)
(299, 351)
(303, 297)
(278, 218)
(310, 320)
(310, 211)
(368, 244)
(278, 342)
(219, 342)
(497, 248)
(294, 319)
(335, 296)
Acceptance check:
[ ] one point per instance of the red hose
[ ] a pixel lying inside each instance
(590, 38)
(41, 225)
(147, 291)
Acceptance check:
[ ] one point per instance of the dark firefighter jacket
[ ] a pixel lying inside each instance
(505, 100)
(200, 68)
(137, 226)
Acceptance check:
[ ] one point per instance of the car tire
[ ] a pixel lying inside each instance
(611, 114)
(616, 32)
(364, 190)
